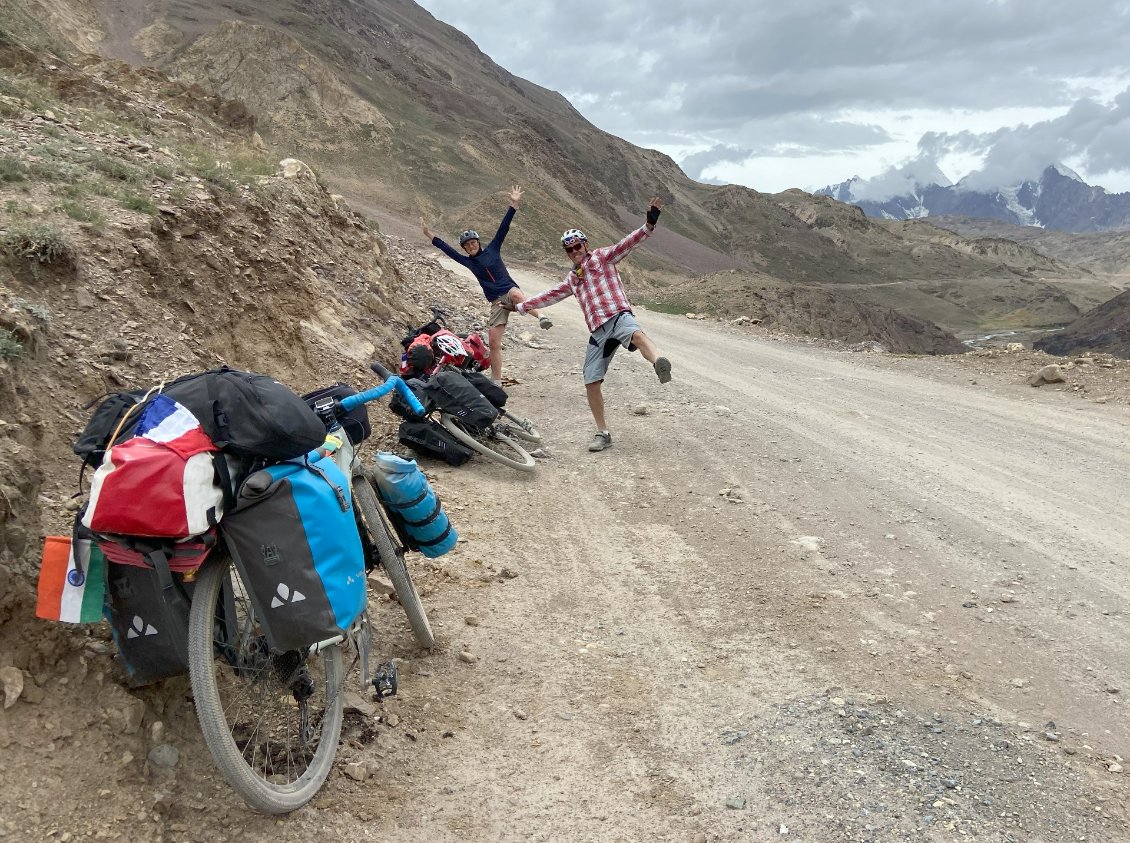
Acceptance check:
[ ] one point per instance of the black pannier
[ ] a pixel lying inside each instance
(429, 439)
(491, 391)
(457, 396)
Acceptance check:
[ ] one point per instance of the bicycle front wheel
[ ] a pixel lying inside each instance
(392, 560)
(272, 722)
(521, 428)
(491, 443)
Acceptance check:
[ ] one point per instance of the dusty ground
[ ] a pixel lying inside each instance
(809, 595)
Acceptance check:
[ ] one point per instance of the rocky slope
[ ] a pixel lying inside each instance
(147, 244)
(1105, 329)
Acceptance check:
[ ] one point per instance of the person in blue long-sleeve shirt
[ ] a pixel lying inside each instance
(487, 266)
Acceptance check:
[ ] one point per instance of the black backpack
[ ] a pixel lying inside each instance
(249, 415)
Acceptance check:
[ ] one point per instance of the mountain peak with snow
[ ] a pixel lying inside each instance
(1058, 199)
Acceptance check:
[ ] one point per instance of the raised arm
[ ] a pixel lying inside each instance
(504, 226)
(618, 251)
(551, 296)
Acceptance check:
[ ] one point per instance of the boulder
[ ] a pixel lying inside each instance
(1049, 374)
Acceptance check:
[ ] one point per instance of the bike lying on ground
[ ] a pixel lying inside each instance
(272, 720)
(470, 407)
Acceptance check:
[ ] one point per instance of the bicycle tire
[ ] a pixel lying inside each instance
(523, 429)
(523, 461)
(392, 560)
(214, 660)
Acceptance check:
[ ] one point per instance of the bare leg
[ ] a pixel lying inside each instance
(596, 403)
(494, 338)
(647, 348)
(517, 295)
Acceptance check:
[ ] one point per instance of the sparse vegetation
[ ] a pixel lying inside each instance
(10, 347)
(42, 243)
(82, 212)
(115, 168)
(41, 312)
(137, 202)
(12, 169)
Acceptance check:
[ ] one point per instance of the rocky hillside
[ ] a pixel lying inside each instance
(144, 236)
(405, 114)
(1106, 329)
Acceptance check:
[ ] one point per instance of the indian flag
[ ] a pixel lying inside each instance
(72, 581)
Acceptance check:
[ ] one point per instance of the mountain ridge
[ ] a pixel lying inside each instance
(1059, 199)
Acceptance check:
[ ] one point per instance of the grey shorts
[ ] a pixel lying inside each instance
(604, 342)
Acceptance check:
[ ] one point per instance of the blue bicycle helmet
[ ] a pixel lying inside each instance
(469, 234)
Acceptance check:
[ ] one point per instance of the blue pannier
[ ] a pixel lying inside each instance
(294, 540)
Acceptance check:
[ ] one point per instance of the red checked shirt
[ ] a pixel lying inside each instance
(598, 288)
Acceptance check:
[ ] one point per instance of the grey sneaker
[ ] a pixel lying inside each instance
(545, 323)
(663, 369)
(602, 440)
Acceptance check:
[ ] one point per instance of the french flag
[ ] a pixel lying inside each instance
(160, 483)
(173, 425)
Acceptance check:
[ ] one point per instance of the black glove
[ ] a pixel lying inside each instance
(652, 216)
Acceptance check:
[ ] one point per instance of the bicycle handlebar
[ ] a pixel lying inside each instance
(391, 382)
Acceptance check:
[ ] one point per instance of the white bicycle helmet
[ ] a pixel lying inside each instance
(572, 236)
(450, 346)
(469, 234)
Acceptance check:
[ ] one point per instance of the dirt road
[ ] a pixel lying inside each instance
(906, 619)
(808, 595)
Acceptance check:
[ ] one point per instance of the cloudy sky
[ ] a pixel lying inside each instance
(806, 93)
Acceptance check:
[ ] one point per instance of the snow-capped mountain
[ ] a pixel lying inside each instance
(1059, 199)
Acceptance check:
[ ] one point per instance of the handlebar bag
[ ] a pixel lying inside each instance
(294, 541)
(355, 422)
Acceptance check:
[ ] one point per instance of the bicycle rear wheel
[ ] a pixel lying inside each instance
(491, 443)
(392, 560)
(271, 721)
(521, 428)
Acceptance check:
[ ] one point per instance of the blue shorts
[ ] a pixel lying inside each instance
(604, 342)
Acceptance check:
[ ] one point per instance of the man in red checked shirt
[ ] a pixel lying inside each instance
(596, 283)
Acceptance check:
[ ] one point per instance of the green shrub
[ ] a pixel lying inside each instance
(12, 169)
(40, 242)
(82, 212)
(137, 202)
(41, 312)
(10, 347)
(116, 168)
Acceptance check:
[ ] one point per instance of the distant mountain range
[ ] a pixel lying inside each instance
(1059, 200)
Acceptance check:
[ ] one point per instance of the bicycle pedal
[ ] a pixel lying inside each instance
(384, 680)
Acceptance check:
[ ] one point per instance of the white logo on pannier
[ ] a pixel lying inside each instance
(285, 595)
(139, 628)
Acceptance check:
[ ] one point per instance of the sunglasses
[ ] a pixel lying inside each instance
(576, 247)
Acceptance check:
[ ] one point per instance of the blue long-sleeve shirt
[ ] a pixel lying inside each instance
(487, 265)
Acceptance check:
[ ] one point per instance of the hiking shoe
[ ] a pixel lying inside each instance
(663, 369)
(602, 440)
(545, 323)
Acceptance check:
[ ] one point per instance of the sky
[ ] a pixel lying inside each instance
(808, 93)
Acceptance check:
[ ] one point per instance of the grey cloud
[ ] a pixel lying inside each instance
(770, 78)
(1096, 135)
